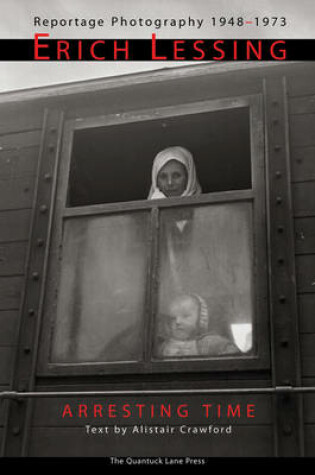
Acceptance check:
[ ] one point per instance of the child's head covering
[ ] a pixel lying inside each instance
(203, 314)
(183, 156)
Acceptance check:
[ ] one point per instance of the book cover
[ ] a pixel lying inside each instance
(157, 231)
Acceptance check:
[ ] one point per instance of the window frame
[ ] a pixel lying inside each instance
(255, 195)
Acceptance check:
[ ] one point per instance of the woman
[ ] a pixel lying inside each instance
(174, 174)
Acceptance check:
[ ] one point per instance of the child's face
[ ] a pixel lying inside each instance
(184, 315)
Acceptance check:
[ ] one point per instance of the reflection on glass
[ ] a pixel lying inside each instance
(205, 281)
(102, 289)
(243, 336)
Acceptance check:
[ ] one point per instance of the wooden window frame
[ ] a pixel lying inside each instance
(256, 195)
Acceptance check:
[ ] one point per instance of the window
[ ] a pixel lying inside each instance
(157, 285)
(104, 158)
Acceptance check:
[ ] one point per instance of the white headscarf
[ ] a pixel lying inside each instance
(183, 156)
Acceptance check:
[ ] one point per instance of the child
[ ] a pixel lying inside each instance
(188, 331)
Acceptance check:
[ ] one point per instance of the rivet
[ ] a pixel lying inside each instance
(278, 174)
(40, 242)
(284, 343)
(35, 276)
(47, 177)
(280, 229)
(300, 235)
(53, 130)
(279, 200)
(277, 148)
(282, 298)
(31, 312)
(27, 350)
(275, 103)
(280, 260)
(16, 430)
(43, 209)
(287, 429)
(51, 147)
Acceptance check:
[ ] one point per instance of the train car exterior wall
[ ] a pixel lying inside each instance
(31, 133)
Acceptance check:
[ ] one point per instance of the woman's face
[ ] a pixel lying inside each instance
(172, 179)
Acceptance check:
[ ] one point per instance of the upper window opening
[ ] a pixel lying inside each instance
(113, 163)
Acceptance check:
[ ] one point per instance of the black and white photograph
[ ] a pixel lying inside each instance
(157, 231)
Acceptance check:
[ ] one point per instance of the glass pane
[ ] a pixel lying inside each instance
(205, 299)
(102, 289)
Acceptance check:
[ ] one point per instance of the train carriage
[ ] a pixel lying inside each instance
(84, 278)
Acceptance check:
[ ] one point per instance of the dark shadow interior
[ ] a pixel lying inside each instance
(113, 163)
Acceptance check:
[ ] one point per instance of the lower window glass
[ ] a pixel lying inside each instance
(202, 304)
(205, 301)
(101, 298)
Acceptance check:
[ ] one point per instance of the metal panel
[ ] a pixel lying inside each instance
(23, 378)
(283, 306)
